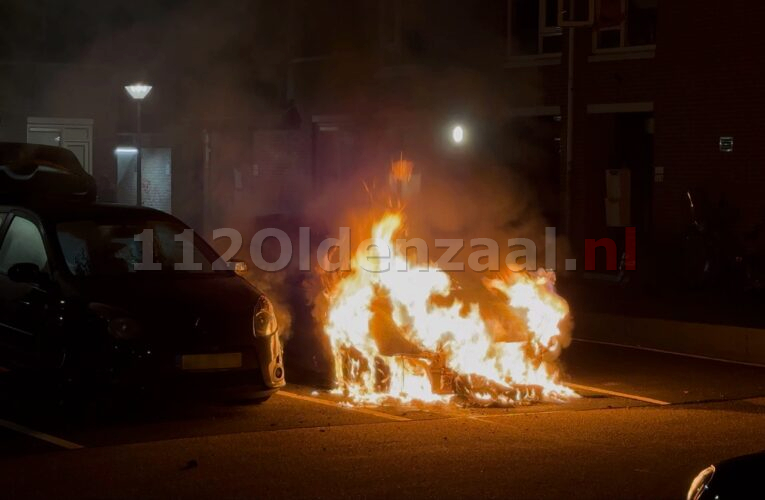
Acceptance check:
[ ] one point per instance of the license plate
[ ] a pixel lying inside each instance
(224, 361)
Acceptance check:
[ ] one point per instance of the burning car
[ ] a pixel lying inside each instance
(76, 303)
(400, 334)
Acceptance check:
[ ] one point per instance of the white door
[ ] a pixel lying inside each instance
(73, 134)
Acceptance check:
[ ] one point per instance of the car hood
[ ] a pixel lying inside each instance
(181, 308)
(738, 477)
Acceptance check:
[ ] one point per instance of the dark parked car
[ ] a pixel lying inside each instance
(110, 294)
(739, 477)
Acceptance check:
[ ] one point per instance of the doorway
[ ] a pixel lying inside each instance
(74, 134)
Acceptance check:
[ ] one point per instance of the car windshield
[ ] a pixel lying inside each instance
(106, 249)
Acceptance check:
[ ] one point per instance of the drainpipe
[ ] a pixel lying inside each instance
(569, 135)
(206, 183)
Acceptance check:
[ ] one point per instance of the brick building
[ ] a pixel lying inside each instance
(277, 100)
(678, 105)
(665, 96)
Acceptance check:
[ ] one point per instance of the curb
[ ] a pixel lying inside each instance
(724, 342)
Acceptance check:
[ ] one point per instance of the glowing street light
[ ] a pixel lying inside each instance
(458, 134)
(138, 91)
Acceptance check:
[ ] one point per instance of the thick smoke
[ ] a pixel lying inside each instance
(232, 73)
(467, 193)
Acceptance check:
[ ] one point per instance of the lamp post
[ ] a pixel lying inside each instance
(138, 91)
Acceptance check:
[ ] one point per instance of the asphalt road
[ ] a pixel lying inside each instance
(644, 425)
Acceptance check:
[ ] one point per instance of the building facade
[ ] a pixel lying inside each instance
(258, 106)
(614, 120)
(63, 68)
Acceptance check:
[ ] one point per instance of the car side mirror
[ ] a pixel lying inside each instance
(235, 266)
(238, 266)
(25, 272)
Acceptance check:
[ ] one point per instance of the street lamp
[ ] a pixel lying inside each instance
(458, 134)
(138, 91)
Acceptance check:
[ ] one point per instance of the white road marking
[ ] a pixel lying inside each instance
(333, 404)
(455, 414)
(675, 353)
(618, 394)
(522, 414)
(63, 443)
(478, 418)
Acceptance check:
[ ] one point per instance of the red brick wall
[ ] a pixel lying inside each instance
(710, 84)
(599, 82)
(706, 81)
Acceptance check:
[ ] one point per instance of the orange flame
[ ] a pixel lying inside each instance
(397, 333)
(402, 169)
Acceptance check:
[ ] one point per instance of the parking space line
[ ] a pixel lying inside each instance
(673, 353)
(63, 443)
(479, 418)
(343, 407)
(618, 394)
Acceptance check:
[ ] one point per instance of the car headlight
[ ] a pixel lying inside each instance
(701, 483)
(118, 323)
(124, 328)
(264, 319)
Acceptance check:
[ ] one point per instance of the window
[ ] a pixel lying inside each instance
(331, 27)
(534, 27)
(625, 23)
(23, 243)
(108, 249)
(390, 25)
